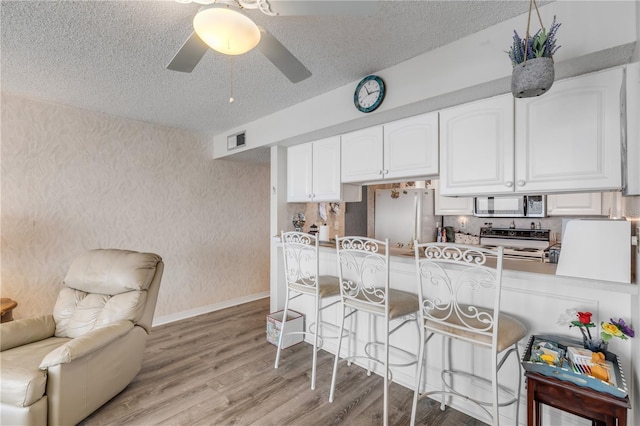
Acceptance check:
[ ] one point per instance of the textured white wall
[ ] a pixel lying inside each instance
(73, 180)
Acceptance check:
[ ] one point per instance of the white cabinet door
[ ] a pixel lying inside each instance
(362, 155)
(585, 203)
(631, 162)
(477, 148)
(401, 149)
(569, 138)
(326, 170)
(300, 173)
(451, 206)
(411, 147)
(313, 173)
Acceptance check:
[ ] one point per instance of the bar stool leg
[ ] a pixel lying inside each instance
(372, 332)
(446, 365)
(315, 345)
(385, 413)
(420, 362)
(494, 390)
(337, 358)
(284, 320)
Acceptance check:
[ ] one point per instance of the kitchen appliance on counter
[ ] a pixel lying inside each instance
(554, 252)
(510, 206)
(522, 244)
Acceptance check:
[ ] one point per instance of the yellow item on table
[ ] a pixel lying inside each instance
(549, 359)
(598, 367)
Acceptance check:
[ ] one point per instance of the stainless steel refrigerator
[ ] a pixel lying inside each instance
(404, 215)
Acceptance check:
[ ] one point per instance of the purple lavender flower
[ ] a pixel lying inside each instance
(622, 326)
(540, 44)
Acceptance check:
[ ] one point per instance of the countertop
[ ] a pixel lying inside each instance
(508, 264)
(513, 268)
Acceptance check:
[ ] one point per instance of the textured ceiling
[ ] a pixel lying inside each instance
(110, 56)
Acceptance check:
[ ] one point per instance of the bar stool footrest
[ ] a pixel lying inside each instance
(501, 388)
(396, 351)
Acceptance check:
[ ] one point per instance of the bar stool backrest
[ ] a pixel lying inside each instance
(363, 265)
(459, 290)
(300, 252)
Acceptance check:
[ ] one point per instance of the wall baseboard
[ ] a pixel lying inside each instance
(206, 309)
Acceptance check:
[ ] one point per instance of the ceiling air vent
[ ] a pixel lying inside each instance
(236, 140)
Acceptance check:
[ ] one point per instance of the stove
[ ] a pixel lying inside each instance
(523, 244)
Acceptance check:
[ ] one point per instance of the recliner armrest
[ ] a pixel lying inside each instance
(26, 330)
(86, 344)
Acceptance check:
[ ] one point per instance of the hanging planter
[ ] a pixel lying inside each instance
(532, 59)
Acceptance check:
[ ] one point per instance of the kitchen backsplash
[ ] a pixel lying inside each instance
(465, 224)
(311, 211)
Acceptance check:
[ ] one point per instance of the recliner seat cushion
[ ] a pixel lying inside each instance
(23, 383)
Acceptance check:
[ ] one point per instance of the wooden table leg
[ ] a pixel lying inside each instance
(530, 392)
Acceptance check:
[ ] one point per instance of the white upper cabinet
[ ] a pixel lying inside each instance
(362, 155)
(631, 163)
(584, 203)
(299, 173)
(451, 206)
(401, 149)
(476, 147)
(569, 138)
(411, 147)
(313, 173)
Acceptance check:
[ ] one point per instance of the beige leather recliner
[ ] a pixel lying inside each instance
(57, 369)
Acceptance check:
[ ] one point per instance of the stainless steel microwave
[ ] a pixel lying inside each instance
(510, 206)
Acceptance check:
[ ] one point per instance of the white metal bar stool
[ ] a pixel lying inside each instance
(459, 290)
(301, 266)
(363, 265)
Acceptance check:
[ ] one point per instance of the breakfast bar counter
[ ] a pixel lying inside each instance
(513, 268)
(531, 292)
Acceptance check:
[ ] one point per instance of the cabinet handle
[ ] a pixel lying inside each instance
(380, 172)
(521, 182)
(310, 195)
(508, 184)
(385, 172)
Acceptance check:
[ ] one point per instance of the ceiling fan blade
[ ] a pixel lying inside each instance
(324, 7)
(284, 60)
(189, 54)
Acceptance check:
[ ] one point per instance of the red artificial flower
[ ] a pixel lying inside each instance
(584, 317)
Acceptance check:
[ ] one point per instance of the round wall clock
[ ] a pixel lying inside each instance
(369, 93)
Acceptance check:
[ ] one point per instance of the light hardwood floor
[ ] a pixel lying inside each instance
(217, 369)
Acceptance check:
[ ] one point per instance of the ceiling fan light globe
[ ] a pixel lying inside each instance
(226, 30)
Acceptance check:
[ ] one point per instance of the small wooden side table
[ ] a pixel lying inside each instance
(599, 407)
(7, 306)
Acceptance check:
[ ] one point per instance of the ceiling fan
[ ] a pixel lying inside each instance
(223, 26)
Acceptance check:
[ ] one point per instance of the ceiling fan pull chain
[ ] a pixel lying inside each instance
(232, 59)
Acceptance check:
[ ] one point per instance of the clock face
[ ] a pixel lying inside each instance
(369, 93)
